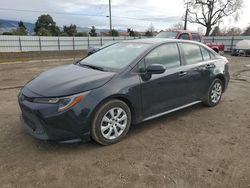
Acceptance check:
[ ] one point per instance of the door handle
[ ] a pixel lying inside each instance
(182, 73)
(210, 66)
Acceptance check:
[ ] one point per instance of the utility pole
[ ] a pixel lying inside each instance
(110, 21)
(186, 17)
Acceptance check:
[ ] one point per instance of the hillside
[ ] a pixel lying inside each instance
(9, 25)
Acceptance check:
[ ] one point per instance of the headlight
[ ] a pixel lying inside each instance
(64, 103)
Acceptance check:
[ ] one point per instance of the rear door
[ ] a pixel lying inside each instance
(199, 66)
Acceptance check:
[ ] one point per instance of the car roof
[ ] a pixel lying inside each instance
(158, 41)
(182, 31)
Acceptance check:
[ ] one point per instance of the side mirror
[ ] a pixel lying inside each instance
(155, 69)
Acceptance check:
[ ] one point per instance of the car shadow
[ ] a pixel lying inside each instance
(134, 131)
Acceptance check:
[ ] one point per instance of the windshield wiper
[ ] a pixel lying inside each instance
(93, 67)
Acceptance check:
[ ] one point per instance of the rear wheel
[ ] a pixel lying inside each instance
(111, 122)
(215, 93)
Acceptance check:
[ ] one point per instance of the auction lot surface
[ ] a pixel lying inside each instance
(195, 147)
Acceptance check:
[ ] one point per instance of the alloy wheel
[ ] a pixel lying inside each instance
(216, 93)
(114, 123)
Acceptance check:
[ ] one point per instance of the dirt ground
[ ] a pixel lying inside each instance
(28, 56)
(195, 147)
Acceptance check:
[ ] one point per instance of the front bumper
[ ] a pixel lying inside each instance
(44, 122)
(38, 131)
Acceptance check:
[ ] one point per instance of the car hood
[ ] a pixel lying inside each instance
(68, 80)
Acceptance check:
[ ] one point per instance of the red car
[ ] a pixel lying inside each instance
(189, 35)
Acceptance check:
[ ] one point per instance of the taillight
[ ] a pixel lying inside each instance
(226, 61)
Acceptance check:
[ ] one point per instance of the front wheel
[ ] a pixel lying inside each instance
(111, 122)
(215, 93)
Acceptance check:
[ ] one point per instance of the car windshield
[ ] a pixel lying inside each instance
(167, 34)
(116, 56)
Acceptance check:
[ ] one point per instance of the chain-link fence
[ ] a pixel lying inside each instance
(229, 41)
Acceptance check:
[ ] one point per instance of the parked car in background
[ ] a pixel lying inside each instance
(242, 48)
(188, 35)
(125, 83)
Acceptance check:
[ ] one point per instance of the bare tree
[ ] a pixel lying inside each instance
(209, 12)
(177, 26)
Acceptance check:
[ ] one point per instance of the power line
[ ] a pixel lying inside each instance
(78, 14)
(51, 12)
(151, 10)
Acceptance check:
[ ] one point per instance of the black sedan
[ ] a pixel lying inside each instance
(126, 83)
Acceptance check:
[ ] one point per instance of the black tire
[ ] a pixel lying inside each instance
(96, 132)
(209, 100)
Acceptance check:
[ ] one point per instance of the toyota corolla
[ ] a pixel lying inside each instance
(129, 82)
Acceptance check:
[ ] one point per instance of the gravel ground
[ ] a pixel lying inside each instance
(195, 147)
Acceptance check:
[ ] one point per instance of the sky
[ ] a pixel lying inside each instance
(135, 14)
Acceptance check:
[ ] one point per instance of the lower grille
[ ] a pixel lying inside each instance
(32, 122)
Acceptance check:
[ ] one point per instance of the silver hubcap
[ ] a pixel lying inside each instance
(114, 123)
(216, 93)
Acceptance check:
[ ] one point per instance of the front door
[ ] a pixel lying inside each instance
(162, 92)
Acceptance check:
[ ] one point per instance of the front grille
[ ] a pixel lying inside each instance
(29, 122)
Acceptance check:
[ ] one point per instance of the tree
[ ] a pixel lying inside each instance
(234, 31)
(209, 12)
(45, 25)
(151, 28)
(247, 31)
(114, 33)
(7, 33)
(43, 32)
(92, 32)
(177, 26)
(21, 29)
(131, 33)
(21, 24)
(216, 31)
(200, 29)
(70, 30)
(150, 31)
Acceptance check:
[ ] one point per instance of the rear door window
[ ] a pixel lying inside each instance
(205, 54)
(192, 53)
